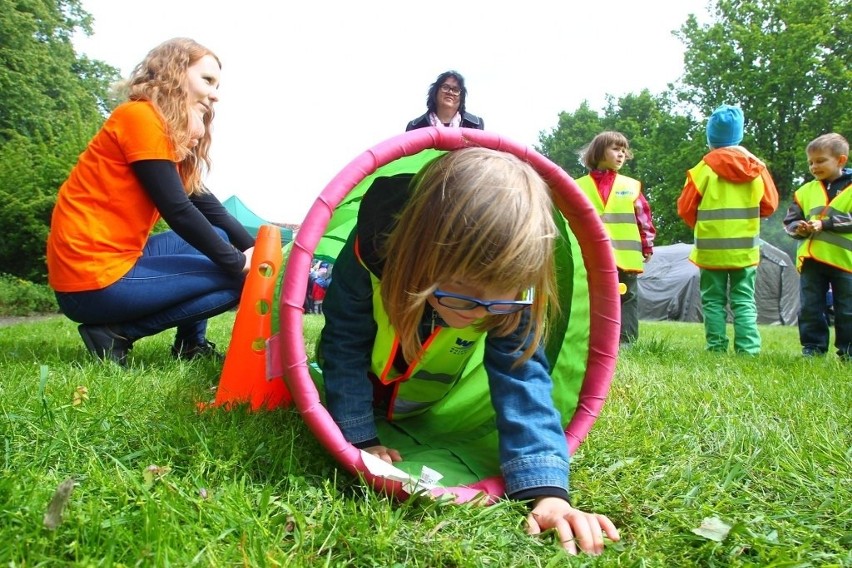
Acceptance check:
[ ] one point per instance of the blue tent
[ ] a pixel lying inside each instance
(250, 220)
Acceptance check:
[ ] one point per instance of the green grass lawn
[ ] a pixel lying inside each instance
(762, 445)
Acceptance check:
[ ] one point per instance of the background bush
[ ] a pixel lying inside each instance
(20, 297)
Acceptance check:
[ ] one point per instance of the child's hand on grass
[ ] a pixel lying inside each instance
(573, 526)
(388, 455)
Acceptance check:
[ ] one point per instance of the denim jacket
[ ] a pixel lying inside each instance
(533, 449)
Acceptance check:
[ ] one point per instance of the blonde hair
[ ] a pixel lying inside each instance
(593, 153)
(480, 216)
(161, 78)
(831, 142)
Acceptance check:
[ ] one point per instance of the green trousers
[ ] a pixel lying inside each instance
(715, 286)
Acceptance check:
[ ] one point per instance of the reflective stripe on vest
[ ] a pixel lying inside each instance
(428, 379)
(619, 218)
(727, 227)
(834, 249)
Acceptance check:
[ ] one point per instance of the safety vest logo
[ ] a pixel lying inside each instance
(461, 346)
(623, 193)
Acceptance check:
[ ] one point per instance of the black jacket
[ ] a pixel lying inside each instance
(468, 121)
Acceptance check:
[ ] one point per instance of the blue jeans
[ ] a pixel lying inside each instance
(813, 325)
(171, 285)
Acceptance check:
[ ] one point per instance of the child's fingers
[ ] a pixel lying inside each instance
(533, 527)
(587, 530)
(608, 527)
(567, 536)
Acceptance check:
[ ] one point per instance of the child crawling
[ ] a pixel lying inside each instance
(462, 251)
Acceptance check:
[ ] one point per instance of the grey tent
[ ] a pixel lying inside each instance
(669, 287)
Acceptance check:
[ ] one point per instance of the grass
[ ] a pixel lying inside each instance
(762, 444)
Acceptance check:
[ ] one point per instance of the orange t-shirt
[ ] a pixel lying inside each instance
(103, 216)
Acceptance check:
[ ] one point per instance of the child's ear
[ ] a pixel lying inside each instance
(841, 159)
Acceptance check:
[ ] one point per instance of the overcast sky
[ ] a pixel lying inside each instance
(309, 85)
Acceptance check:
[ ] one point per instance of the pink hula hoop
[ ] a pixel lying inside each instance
(584, 223)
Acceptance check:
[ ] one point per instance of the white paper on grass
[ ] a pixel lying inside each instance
(713, 528)
(429, 478)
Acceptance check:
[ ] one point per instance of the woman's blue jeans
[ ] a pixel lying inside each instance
(171, 285)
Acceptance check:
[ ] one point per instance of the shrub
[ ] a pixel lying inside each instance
(20, 297)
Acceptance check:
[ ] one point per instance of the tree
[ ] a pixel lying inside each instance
(664, 147)
(51, 104)
(786, 63)
(563, 144)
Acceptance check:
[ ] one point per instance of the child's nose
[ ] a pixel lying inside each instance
(479, 312)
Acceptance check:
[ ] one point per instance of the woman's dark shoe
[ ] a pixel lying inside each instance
(104, 343)
(187, 352)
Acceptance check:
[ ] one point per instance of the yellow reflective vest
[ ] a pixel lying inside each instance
(727, 228)
(428, 379)
(619, 218)
(834, 249)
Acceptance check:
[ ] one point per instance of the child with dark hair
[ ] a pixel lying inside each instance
(445, 105)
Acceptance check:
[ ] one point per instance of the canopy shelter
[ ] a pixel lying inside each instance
(250, 220)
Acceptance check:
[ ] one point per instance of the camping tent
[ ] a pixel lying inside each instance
(250, 220)
(669, 288)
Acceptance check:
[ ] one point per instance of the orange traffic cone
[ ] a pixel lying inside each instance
(244, 373)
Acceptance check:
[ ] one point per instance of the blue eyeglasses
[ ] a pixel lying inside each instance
(501, 307)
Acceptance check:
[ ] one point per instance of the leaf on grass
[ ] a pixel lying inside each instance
(154, 473)
(53, 515)
(81, 395)
(437, 528)
(620, 464)
(45, 406)
(713, 528)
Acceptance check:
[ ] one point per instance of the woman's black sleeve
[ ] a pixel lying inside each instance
(215, 212)
(161, 181)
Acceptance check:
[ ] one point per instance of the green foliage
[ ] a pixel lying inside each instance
(24, 206)
(663, 150)
(565, 142)
(786, 63)
(760, 444)
(663, 144)
(51, 103)
(20, 297)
